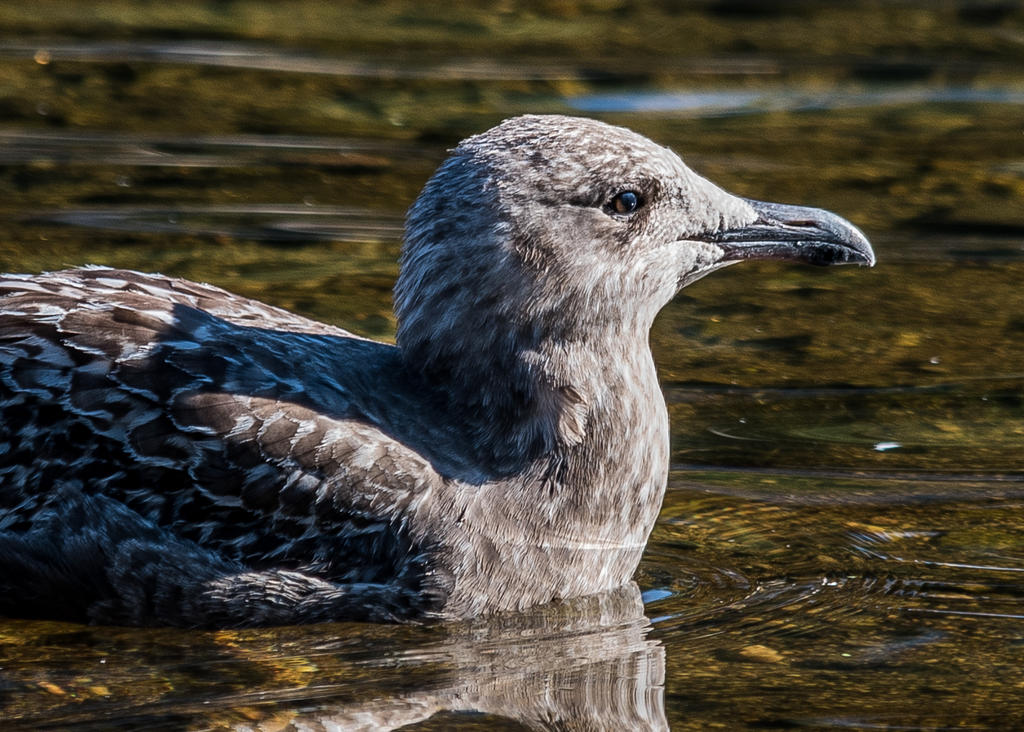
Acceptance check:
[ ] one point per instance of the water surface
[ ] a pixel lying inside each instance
(842, 541)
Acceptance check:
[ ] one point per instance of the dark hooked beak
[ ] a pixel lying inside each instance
(798, 233)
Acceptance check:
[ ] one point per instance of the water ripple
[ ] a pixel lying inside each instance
(956, 427)
(272, 222)
(271, 58)
(786, 99)
(125, 148)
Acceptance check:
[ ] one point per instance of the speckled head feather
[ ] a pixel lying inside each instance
(513, 249)
(171, 453)
(517, 223)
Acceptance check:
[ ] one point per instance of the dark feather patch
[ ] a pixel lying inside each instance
(177, 465)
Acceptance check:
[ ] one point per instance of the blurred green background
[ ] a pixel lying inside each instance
(843, 518)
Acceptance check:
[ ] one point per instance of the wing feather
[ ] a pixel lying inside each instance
(217, 417)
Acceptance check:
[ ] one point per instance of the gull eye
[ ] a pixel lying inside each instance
(624, 203)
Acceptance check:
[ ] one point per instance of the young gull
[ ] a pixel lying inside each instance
(171, 453)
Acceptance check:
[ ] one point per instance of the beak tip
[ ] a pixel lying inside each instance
(854, 250)
(860, 247)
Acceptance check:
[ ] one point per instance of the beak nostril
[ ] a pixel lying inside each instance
(801, 223)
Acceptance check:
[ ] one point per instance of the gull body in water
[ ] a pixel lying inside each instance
(171, 453)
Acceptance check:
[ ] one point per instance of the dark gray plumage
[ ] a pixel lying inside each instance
(172, 453)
